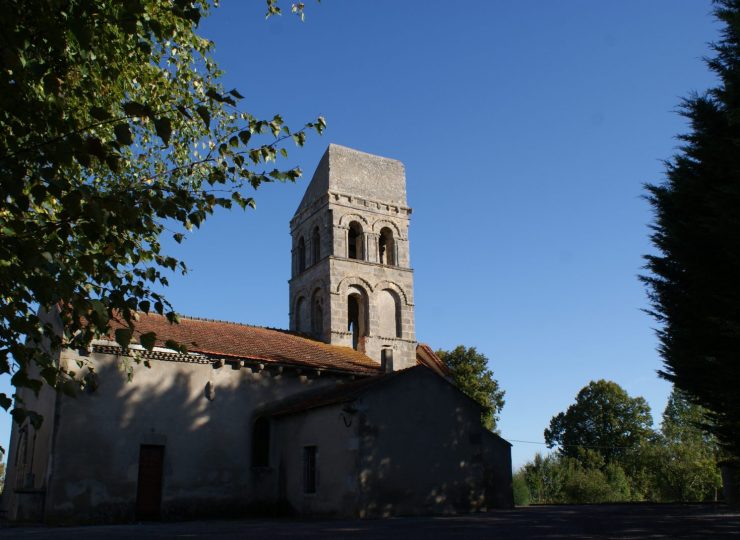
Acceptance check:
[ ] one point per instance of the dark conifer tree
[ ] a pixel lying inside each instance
(694, 281)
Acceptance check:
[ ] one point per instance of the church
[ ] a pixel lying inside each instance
(344, 414)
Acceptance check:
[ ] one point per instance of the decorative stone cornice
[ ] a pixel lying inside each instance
(350, 201)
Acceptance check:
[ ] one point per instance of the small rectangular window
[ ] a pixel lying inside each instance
(309, 469)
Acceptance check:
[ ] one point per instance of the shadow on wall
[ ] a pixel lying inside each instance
(175, 443)
(454, 467)
(411, 444)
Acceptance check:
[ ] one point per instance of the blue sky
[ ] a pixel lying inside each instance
(527, 129)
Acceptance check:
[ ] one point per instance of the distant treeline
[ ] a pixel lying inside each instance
(608, 452)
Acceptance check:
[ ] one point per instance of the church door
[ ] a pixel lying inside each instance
(149, 492)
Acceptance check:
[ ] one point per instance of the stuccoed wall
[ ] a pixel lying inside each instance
(497, 460)
(409, 445)
(335, 436)
(448, 466)
(207, 462)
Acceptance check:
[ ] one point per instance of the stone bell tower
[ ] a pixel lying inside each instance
(352, 282)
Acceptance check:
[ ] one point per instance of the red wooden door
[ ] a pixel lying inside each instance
(149, 491)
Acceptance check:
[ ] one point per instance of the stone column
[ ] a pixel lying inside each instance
(372, 247)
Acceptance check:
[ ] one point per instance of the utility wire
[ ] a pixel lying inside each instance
(575, 445)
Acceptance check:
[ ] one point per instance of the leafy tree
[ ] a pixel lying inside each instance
(584, 484)
(685, 461)
(114, 129)
(693, 285)
(557, 479)
(543, 477)
(604, 419)
(679, 464)
(470, 372)
(520, 489)
(683, 422)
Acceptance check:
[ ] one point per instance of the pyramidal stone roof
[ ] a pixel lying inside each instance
(240, 341)
(351, 172)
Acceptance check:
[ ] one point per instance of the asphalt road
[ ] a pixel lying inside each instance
(541, 522)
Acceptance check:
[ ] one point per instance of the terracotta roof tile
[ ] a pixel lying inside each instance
(227, 339)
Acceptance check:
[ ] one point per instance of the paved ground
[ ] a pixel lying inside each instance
(542, 522)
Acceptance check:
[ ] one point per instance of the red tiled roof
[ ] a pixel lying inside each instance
(227, 339)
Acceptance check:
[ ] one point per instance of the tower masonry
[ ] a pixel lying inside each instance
(352, 282)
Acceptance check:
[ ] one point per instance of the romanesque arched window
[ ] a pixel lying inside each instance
(301, 255)
(315, 246)
(357, 316)
(261, 442)
(389, 313)
(317, 313)
(355, 241)
(386, 247)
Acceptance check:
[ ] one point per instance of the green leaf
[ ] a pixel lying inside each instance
(123, 134)
(123, 337)
(299, 138)
(95, 147)
(175, 346)
(164, 129)
(21, 379)
(68, 388)
(205, 115)
(5, 401)
(49, 374)
(99, 313)
(183, 111)
(148, 340)
(244, 136)
(99, 113)
(21, 414)
(133, 7)
(133, 108)
(211, 93)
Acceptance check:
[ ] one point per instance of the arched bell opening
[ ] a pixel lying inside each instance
(357, 316)
(355, 241)
(387, 247)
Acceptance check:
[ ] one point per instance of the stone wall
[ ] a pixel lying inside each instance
(380, 273)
